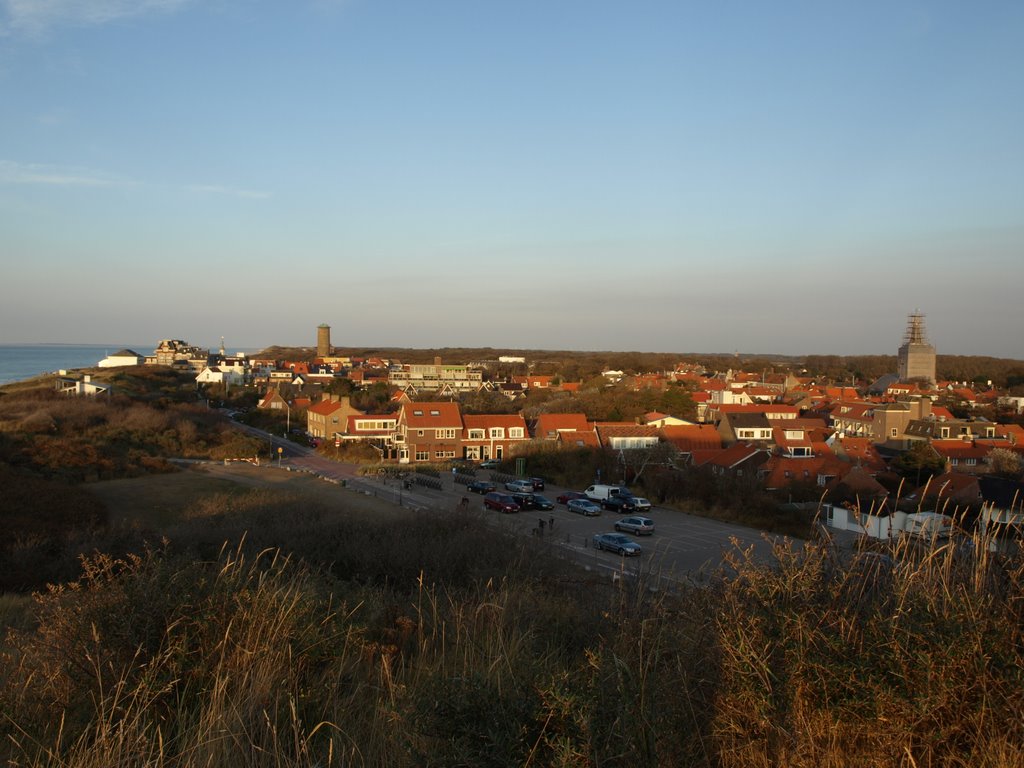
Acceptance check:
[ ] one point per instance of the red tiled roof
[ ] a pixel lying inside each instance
(692, 437)
(432, 415)
(583, 438)
(548, 424)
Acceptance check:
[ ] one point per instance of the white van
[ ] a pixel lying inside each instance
(601, 493)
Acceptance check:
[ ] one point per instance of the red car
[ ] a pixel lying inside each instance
(501, 502)
(568, 496)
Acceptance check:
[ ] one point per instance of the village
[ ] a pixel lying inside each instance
(798, 435)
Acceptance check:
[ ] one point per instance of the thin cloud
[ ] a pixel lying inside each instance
(217, 189)
(39, 15)
(27, 173)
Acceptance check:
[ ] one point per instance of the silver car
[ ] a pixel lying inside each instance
(616, 542)
(584, 507)
(641, 504)
(638, 526)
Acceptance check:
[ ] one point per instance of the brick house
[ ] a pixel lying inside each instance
(428, 431)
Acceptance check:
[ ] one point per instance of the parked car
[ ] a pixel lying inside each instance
(619, 504)
(616, 542)
(538, 483)
(565, 498)
(541, 502)
(481, 486)
(524, 500)
(490, 464)
(584, 507)
(638, 526)
(641, 504)
(519, 486)
(501, 502)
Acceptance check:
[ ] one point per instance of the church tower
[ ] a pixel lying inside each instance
(916, 356)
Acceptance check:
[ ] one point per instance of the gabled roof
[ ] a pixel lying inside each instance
(735, 455)
(780, 471)
(861, 451)
(582, 438)
(431, 415)
(325, 408)
(961, 449)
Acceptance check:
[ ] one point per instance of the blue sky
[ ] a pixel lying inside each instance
(790, 177)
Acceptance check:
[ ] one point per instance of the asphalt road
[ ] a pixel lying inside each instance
(683, 546)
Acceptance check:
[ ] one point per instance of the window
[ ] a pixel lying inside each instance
(438, 454)
(419, 433)
(435, 413)
(515, 432)
(476, 434)
(422, 455)
(893, 432)
(972, 462)
(417, 413)
(944, 432)
(445, 434)
(497, 433)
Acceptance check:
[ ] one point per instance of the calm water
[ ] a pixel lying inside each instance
(25, 361)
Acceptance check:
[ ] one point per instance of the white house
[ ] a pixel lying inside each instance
(121, 358)
(83, 386)
(217, 375)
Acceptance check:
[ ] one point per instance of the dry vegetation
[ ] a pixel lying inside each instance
(406, 639)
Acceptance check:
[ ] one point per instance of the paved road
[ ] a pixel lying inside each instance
(683, 545)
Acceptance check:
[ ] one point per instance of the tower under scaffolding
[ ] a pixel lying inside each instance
(916, 356)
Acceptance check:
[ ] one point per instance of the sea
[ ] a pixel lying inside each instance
(26, 361)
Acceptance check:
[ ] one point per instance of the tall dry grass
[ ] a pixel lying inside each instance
(502, 658)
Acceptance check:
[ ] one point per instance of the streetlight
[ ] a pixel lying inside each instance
(288, 419)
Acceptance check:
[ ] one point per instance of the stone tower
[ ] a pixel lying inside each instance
(916, 355)
(323, 340)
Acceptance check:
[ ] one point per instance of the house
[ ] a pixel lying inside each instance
(739, 459)
(217, 375)
(655, 419)
(431, 377)
(626, 437)
(67, 385)
(330, 416)
(487, 436)
(778, 472)
(745, 426)
(273, 400)
(963, 456)
(859, 451)
(950, 491)
(376, 429)
(120, 358)
(428, 431)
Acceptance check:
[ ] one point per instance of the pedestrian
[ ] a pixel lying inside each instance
(551, 523)
(540, 524)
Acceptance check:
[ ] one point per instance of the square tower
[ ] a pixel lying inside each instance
(916, 356)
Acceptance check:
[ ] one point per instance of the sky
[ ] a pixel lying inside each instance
(788, 177)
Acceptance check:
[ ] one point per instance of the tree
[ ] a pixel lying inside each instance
(1005, 463)
(919, 463)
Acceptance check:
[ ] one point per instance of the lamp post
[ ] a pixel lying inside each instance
(288, 419)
